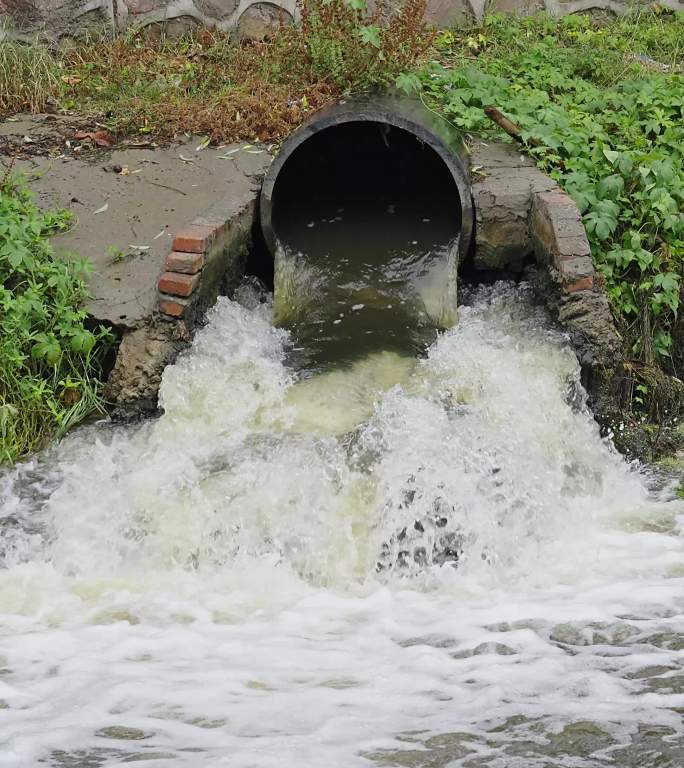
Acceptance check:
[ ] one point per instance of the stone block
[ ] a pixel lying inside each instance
(449, 13)
(576, 269)
(138, 7)
(504, 183)
(519, 7)
(572, 247)
(261, 20)
(217, 9)
(54, 18)
(556, 229)
(144, 352)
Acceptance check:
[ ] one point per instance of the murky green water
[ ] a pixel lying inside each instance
(368, 248)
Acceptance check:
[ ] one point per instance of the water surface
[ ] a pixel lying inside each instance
(409, 561)
(368, 221)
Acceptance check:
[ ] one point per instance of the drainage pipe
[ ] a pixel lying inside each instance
(389, 111)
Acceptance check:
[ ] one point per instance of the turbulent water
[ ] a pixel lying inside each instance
(417, 562)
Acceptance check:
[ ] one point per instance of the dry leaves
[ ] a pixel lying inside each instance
(99, 138)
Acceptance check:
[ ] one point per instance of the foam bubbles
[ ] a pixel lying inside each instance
(204, 589)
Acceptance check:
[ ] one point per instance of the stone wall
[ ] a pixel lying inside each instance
(26, 19)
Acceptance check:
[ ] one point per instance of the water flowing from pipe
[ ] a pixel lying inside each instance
(406, 561)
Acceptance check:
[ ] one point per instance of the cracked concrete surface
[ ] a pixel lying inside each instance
(125, 221)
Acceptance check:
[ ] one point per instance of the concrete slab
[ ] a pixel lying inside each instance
(128, 202)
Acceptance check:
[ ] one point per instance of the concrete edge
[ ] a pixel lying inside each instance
(520, 212)
(560, 245)
(207, 258)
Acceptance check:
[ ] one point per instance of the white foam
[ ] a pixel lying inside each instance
(207, 581)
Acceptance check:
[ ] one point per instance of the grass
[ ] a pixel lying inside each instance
(29, 77)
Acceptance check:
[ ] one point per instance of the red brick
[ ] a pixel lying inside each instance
(584, 284)
(178, 285)
(187, 263)
(194, 239)
(172, 306)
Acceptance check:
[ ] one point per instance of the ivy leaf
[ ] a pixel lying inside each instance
(667, 282)
(600, 224)
(625, 164)
(82, 341)
(645, 259)
(603, 229)
(48, 348)
(15, 257)
(662, 343)
(611, 155)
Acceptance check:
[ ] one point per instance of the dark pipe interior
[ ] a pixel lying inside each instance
(259, 258)
(369, 217)
(365, 168)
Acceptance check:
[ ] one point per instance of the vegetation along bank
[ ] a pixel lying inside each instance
(597, 101)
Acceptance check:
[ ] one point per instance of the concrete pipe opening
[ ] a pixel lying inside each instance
(361, 160)
(366, 212)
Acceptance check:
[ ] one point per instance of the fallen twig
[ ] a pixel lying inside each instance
(508, 126)
(165, 186)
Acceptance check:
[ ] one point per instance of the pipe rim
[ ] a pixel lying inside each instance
(345, 112)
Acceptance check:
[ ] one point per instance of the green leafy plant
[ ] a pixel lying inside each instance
(355, 48)
(606, 119)
(49, 359)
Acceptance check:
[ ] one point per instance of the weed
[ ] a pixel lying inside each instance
(29, 77)
(49, 360)
(606, 119)
(117, 255)
(354, 49)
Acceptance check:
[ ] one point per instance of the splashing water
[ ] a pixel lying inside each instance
(364, 264)
(405, 562)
